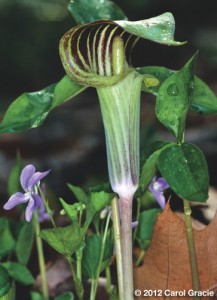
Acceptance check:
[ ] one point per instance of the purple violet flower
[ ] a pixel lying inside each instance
(30, 181)
(157, 187)
(42, 213)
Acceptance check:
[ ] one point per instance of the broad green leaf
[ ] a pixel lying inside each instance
(185, 169)
(91, 254)
(72, 209)
(6, 239)
(85, 11)
(5, 284)
(203, 99)
(79, 193)
(14, 177)
(65, 296)
(19, 272)
(10, 295)
(147, 220)
(97, 201)
(24, 243)
(65, 240)
(105, 187)
(159, 29)
(64, 90)
(30, 109)
(149, 164)
(100, 200)
(15, 226)
(36, 296)
(174, 99)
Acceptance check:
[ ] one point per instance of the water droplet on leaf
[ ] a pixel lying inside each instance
(173, 90)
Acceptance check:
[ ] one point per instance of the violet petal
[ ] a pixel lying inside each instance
(15, 200)
(162, 184)
(33, 204)
(134, 224)
(35, 179)
(151, 187)
(159, 196)
(26, 174)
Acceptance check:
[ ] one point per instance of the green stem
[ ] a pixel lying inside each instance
(41, 259)
(93, 288)
(79, 255)
(137, 217)
(140, 258)
(101, 254)
(117, 238)
(78, 285)
(108, 280)
(47, 207)
(126, 246)
(191, 248)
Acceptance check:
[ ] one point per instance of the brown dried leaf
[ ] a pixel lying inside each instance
(166, 263)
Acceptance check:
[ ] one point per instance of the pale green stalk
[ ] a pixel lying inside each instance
(41, 259)
(78, 285)
(47, 207)
(108, 280)
(191, 248)
(137, 218)
(101, 254)
(140, 258)
(92, 289)
(79, 255)
(191, 244)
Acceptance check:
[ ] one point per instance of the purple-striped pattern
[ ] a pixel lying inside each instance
(86, 52)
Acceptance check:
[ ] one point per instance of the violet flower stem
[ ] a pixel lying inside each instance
(41, 259)
(117, 238)
(47, 207)
(126, 245)
(191, 248)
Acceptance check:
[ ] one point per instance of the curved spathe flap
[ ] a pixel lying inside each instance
(87, 50)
